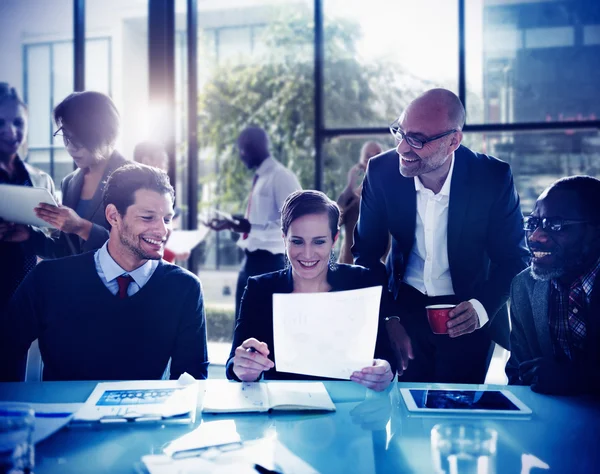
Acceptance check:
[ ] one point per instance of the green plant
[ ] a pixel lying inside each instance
(219, 323)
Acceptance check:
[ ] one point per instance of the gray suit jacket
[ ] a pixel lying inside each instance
(530, 336)
(62, 244)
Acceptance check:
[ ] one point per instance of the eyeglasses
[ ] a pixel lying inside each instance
(413, 142)
(67, 140)
(549, 224)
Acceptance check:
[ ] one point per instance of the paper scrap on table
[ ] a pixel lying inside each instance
(268, 452)
(182, 241)
(326, 334)
(208, 434)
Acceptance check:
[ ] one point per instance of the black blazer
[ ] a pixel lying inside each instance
(486, 241)
(62, 244)
(256, 313)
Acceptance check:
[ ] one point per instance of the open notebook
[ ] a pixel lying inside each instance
(223, 396)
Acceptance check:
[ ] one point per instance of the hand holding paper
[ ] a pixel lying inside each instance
(377, 377)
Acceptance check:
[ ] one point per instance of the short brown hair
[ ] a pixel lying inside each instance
(302, 203)
(126, 180)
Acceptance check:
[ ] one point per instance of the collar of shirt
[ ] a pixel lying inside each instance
(586, 281)
(445, 191)
(112, 269)
(266, 166)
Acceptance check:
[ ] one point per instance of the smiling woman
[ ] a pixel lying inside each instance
(16, 260)
(309, 221)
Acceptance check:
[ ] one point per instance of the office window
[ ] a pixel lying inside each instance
(538, 159)
(48, 73)
(532, 61)
(380, 54)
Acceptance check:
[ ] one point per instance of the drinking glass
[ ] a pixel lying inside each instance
(463, 449)
(17, 421)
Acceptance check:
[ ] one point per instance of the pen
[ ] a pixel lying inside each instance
(264, 470)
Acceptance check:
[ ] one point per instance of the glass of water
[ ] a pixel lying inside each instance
(463, 449)
(17, 421)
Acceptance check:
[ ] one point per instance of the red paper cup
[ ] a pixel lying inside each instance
(438, 316)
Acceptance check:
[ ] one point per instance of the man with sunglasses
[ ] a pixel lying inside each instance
(457, 238)
(555, 338)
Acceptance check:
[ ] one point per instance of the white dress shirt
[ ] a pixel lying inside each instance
(108, 271)
(428, 269)
(274, 184)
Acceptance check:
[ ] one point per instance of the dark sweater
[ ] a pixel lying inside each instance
(256, 313)
(87, 333)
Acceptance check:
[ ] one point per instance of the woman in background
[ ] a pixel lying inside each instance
(89, 125)
(309, 221)
(349, 200)
(15, 259)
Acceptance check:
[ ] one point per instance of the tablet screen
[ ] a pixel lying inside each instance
(462, 400)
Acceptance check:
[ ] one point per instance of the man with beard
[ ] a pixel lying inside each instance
(117, 313)
(260, 226)
(555, 338)
(457, 238)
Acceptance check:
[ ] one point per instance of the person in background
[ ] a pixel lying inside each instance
(349, 200)
(555, 302)
(153, 154)
(119, 313)
(260, 228)
(16, 260)
(89, 125)
(309, 221)
(457, 237)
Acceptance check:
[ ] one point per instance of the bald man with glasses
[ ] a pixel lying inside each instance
(457, 238)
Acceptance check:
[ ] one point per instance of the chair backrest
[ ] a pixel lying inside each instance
(35, 365)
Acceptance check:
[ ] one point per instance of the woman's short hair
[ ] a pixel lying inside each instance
(7, 92)
(125, 181)
(91, 117)
(302, 203)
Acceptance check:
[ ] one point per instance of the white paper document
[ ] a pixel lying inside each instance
(17, 203)
(182, 241)
(326, 334)
(164, 400)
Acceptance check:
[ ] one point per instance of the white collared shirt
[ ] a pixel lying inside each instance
(274, 184)
(428, 268)
(108, 271)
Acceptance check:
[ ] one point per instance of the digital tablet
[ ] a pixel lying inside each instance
(17, 203)
(499, 402)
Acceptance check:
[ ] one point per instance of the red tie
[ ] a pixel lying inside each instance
(245, 235)
(123, 281)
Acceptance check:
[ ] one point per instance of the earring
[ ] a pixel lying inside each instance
(286, 261)
(332, 261)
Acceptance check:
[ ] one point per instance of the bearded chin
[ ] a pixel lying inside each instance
(545, 274)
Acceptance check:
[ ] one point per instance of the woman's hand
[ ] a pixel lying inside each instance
(251, 360)
(377, 377)
(64, 219)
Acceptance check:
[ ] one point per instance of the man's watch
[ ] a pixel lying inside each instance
(389, 318)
